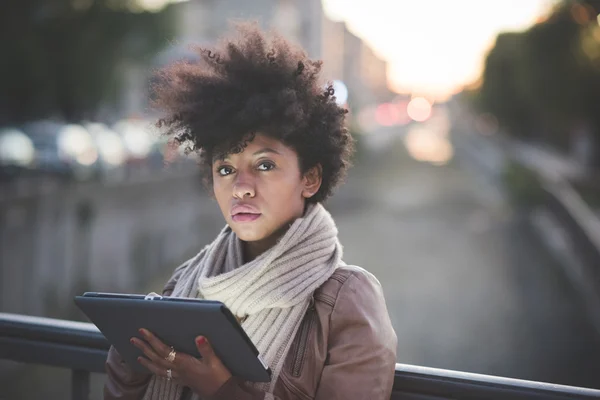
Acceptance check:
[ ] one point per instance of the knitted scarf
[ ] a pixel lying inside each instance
(272, 292)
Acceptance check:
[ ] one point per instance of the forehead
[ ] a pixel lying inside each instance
(262, 142)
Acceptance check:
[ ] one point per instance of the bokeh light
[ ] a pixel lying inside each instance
(419, 109)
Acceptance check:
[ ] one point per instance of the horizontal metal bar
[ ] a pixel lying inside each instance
(81, 347)
(54, 354)
(411, 379)
(52, 330)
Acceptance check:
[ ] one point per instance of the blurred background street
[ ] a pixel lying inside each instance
(474, 197)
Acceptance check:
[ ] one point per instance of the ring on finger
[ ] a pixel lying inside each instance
(171, 357)
(169, 374)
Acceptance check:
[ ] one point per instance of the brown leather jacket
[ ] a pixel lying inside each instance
(345, 349)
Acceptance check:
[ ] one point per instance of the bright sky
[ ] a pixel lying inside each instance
(434, 46)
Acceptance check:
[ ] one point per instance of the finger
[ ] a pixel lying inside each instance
(149, 352)
(159, 347)
(152, 367)
(158, 370)
(204, 348)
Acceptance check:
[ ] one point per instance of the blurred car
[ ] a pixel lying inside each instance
(112, 153)
(17, 152)
(136, 138)
(67, 150)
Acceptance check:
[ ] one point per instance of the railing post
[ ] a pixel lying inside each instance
(80, 384)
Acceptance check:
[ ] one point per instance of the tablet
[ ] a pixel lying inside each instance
(177, 322)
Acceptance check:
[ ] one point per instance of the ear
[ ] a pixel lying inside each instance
(311, 181)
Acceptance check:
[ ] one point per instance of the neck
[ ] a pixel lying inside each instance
(256, 248)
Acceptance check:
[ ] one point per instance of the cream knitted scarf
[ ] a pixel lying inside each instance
(272, 292)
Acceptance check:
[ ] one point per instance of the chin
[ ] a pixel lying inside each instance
(248, 234)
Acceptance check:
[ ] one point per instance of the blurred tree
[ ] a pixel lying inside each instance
(592, 4)
(500, 93)
(549, 76)
(545, 82)
(590, 53)
(64, 58)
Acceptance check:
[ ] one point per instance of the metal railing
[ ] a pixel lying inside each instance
(82, 348)
(580, 222)
(77, 346)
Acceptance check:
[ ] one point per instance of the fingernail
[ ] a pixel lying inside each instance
(142, 331)
(139, 359)
(201, 340)
(132, 341)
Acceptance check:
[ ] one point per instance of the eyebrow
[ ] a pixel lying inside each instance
(266, 150)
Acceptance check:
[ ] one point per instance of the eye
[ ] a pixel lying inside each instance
(224, 170)
(265, 166)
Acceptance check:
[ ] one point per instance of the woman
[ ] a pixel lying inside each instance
(274, 146)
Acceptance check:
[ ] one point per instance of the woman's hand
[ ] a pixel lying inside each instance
(204, 376)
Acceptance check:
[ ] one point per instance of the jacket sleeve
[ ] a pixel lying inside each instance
(362, 344)
(121, 381)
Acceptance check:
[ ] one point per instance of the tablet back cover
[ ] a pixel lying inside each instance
(177, 322)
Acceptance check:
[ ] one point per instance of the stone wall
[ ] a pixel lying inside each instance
(95, 236)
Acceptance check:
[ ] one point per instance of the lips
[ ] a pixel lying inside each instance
(244, 213)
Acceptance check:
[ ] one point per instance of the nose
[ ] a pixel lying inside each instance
(243, 187)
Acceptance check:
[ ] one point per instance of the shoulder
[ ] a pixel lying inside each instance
(353, 304)
(347, 279)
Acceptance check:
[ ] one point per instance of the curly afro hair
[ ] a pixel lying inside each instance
(252, 84)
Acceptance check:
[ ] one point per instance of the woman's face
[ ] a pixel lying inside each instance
(261, 190)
